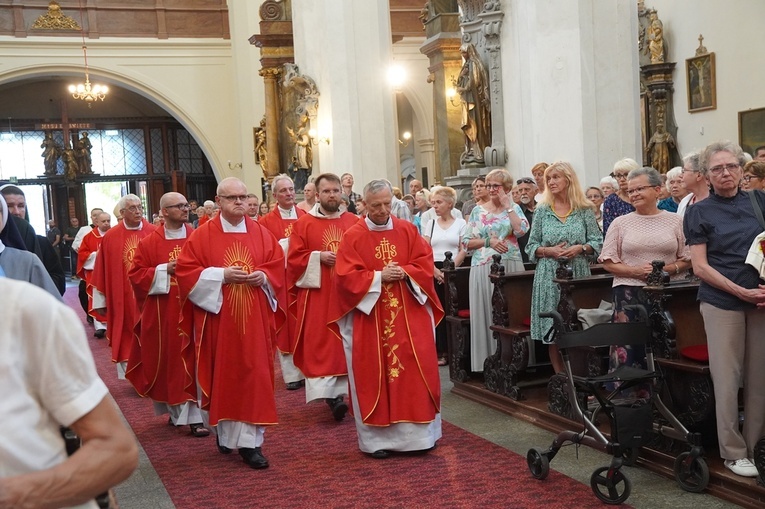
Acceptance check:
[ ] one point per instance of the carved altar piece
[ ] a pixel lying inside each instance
(300, 105)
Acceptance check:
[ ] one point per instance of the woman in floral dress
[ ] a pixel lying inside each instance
(564, 227)
(493, 228)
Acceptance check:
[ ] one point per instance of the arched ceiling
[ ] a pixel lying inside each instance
(41, 99)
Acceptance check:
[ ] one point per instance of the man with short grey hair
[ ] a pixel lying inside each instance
(232, 270)
(280, 222)
(383, 267)
(112, 294)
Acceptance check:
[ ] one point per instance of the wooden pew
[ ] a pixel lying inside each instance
(515, 358)
(677, 323)
(576, 294)
(457, 291)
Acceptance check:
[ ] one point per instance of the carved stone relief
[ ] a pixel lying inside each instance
(300, 104)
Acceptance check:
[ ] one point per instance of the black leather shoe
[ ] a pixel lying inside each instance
(89, 319)
(380, 455)
(221, 448)
(339, 409)
(253, 457)
(100, 334)
(293, 386)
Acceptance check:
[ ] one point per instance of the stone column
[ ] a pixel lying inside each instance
(345, 46)
(571, 86)
(442, 48)
(271, 77)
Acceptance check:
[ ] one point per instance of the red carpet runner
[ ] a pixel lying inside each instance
(315, 462)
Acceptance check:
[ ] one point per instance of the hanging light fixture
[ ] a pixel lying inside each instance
(86, 91)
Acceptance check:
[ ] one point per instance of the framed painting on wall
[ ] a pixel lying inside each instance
(751, 129)
(701, 81)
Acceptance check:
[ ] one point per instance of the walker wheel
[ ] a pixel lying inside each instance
(606, 484)
(691, 474)
(539, 465)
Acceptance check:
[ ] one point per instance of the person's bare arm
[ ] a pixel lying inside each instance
(107, 457)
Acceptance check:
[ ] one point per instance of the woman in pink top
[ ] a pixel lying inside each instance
(633, 241)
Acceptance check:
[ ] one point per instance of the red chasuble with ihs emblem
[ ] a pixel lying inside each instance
(235, 356)
(156, 367)
(395, 366)
(115, 256)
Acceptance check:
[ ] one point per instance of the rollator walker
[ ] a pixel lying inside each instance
(631, 421)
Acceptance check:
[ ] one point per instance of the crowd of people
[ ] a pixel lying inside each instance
(345, 290)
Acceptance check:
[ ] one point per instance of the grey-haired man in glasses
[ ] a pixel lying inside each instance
(527, 188)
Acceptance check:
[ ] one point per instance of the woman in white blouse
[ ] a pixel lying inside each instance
(444, 234)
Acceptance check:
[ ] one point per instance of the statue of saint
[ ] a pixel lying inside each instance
(656, 39)
(473, 88)
(261, 154)
(82, 147)
(303, 151)
(658, 148)
(51, 152)
(70, 164)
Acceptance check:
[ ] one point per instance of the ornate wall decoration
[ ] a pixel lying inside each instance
(305, 88)
(55, 19)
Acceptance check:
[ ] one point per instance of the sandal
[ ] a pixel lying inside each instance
(199, 430)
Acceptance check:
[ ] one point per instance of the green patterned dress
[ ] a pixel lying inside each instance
(547, 230)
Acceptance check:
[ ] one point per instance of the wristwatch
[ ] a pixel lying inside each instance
(584, 248)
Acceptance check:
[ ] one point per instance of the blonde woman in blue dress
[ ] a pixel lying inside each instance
(564, 227)
(493, 228)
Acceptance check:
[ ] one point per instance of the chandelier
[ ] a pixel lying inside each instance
(87, 91)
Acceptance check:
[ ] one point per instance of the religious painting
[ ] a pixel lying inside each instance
(751, 129)
(700, 78)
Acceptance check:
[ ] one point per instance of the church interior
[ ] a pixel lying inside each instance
(174, 95)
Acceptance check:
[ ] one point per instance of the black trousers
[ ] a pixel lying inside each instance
(441, 340)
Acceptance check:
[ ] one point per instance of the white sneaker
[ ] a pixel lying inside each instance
(742, 467)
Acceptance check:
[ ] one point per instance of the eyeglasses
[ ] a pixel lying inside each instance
(134, 208)
(493, 186)
(747, 178)
(525, 180)
(179, 206)
(620, 176)
(640, 189)
(685, 170)
(238, 197)
(718, 170)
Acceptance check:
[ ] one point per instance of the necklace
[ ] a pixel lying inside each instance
(564, 216)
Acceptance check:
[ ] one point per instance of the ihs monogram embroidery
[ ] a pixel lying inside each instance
(174, 254)
(385, 251)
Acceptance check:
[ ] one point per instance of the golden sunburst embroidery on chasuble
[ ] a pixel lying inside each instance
(241, 296)
(331, 238)
(128, 251)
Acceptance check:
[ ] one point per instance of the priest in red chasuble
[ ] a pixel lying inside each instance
(88, 249)
(384, 307)
(232, 270)
(110, 285)
(317, 352)
(157, 368)
(280, 222)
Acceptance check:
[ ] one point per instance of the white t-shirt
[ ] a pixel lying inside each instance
(47, 374)
(444, 240)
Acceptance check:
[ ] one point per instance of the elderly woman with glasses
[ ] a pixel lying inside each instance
(618, 203)
(493, 228)
(564, 227)
(635, 240)
(754, 176)
(720, 231)
(676, 189)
